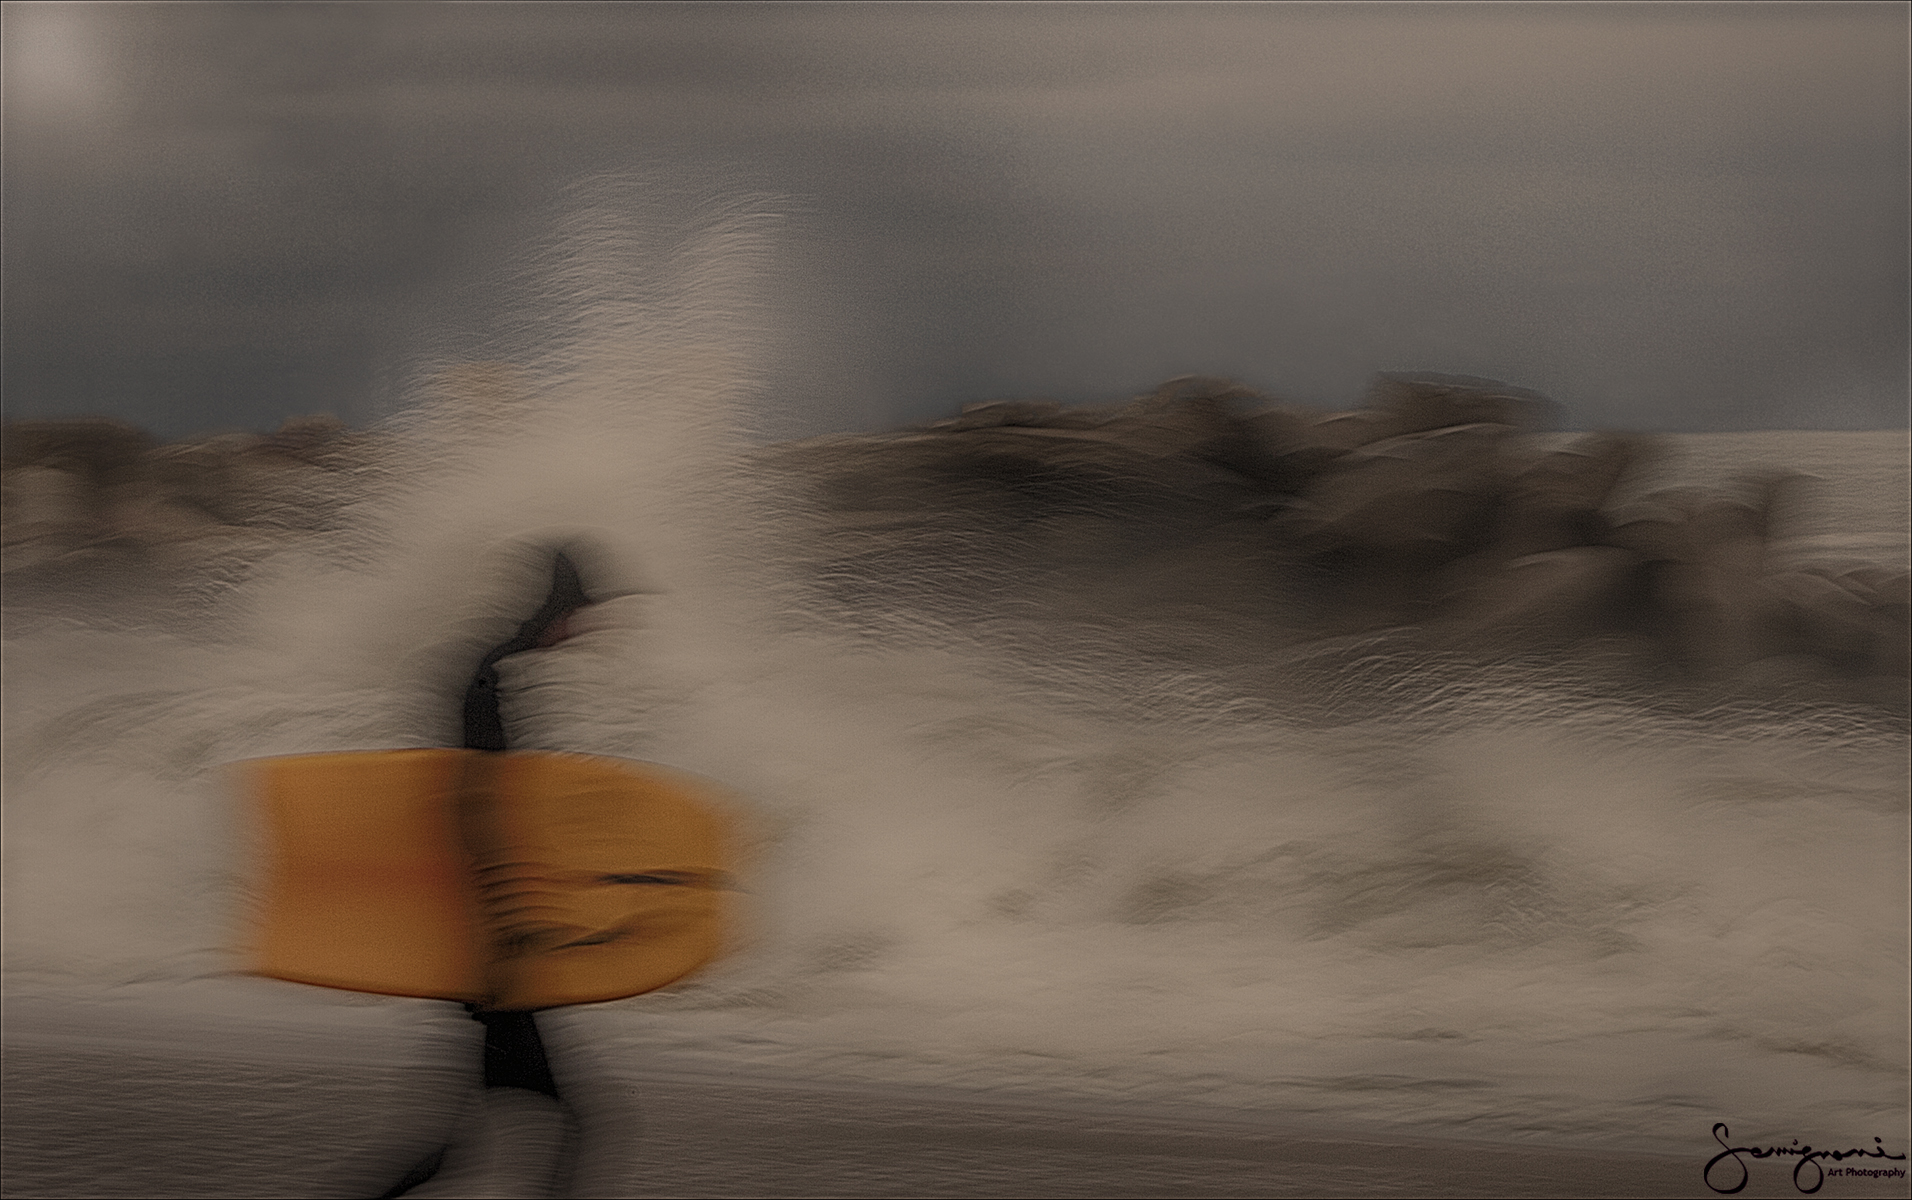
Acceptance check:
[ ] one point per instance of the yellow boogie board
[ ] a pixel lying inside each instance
(515, 880)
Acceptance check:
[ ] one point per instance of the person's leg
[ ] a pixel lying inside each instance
(514, 1053)
(420, 1174)
(514, 1058)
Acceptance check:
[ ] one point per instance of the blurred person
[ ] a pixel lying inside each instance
(518, 1085)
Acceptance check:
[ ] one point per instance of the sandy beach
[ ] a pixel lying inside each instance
(148, 1101)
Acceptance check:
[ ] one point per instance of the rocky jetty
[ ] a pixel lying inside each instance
(1435, 503)
(78, 487)
(1439, 504)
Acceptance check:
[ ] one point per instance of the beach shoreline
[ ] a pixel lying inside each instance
(126, 1110)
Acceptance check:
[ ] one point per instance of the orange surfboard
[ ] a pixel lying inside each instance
(517, 880)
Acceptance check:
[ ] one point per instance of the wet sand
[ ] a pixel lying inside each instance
(99, 1106)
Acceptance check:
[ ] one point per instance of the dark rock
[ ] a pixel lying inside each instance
(316, 439)
(47, 508)
(62, 483)
(1656, 533)
(1707, 588)
(1713, 621)
(1380, 524)
(1727, 527)
(1288, 456)
(1891, 601)
(1706, 550)
(1780, 497)
(992, 414)
(1081, 417)
(1338, 433)
(207, 474)
(1193, 414)
(1824, 619)
(1878, 585)
(103, 454)
(1559, 501)
(1280, 431)
(1024, 473)
(1200, 417)
(1220, 388)
(1412, 402)
(1550, 597)
(1426, 498)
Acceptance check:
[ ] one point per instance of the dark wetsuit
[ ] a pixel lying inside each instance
(514, 1053)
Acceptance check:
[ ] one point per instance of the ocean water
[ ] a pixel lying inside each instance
(1065, 806)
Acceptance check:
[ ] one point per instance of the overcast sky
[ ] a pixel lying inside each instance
(1666, 216)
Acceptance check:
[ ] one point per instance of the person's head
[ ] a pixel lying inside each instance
(567, 595)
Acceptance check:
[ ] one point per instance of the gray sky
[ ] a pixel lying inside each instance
(1666, 216)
